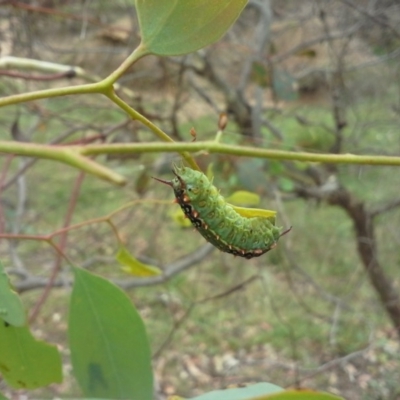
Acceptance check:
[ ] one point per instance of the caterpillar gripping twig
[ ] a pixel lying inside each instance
(217, 221)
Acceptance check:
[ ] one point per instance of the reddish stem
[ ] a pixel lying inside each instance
(62, 245)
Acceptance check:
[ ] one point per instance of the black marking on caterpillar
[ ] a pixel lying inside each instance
(217, 221)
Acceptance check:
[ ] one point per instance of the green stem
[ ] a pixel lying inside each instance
(67, 155)
(98, 87)
(136, 55)
(139, 117)
(47, 93)
(105, 87)
(212, 147)
(75, 155)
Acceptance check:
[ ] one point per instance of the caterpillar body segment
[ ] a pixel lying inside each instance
(217, 221)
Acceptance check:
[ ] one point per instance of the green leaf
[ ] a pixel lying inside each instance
(301, 394)
(180, 218)
(256, 212)
(11, 309)
(142, 182)
(286, 184)
(244, 393)
(176, 27)
(26, 362)
(133, 266)
(276, 167)
(210, 172)
(243, 197)
(264, 391)
(110, 352)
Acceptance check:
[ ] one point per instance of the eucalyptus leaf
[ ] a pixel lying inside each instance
(11, 309)
(243, 197)
(256, 212)
(301, 394)
(177, 27)
(244, 393)
(180, 218)
(26, 362)
(133, 266)
(110, 351)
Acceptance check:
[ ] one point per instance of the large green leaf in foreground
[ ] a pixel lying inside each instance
(109, 348)
(11, 309)
(301, 394)
(176, 27)
(26, 362)
(243, 393)
(262, 391)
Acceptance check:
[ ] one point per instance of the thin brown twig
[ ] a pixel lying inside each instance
(228, 292)
(62, 245)
(181, 320)
(169, 271)
(390, 206)
(172, 332)
(327, 37)
(53, 12)
(373, 17)
(333, 364)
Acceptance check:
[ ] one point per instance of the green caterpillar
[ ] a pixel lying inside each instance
(217, 221)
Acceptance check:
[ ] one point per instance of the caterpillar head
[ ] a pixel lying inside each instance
(185, 178)
(178, 184)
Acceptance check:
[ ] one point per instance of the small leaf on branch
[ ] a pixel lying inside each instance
(180, 218)
(133, 266)
(243, 197)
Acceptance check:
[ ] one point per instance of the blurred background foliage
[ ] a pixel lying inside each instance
(321, 310)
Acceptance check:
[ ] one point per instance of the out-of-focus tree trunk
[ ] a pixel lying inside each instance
(367, 250)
